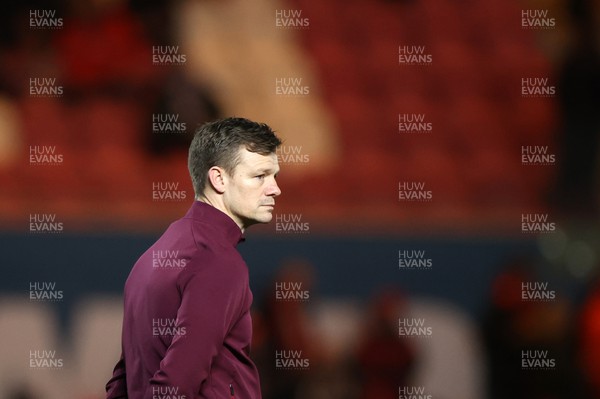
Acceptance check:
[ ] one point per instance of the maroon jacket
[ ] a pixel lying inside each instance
(187, 326)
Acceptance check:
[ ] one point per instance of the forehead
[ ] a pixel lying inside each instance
(255, 161)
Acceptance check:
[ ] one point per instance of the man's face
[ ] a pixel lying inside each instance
(251, 189)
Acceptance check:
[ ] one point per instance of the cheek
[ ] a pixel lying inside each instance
(249, 192)
(252, 188)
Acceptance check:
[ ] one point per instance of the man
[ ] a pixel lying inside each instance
(187, 326)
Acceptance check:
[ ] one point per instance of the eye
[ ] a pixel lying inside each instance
(260, 177)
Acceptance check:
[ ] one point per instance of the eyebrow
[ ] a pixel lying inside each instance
(268, 170)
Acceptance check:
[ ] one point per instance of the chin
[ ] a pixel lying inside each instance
(259, 219)
(267, 218)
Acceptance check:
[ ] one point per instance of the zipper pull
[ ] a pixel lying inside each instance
(231, 391)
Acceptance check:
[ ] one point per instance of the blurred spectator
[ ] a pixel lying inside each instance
(589, 340)
(579, 98)
(513, 325)
(287, 325)
(187, 102)
(102, 49)
(25, 52)
(157, 18)
(384, 359)
(21, 392)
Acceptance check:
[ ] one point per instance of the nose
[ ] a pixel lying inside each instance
(273, 190)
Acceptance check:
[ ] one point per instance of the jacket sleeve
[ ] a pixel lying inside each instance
(210, 303)
(117, 386)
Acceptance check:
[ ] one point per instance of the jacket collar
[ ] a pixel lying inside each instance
(220, 221)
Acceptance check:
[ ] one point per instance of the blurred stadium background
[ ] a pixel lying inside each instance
(128, 81)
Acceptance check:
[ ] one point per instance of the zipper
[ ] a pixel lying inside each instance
(231, 391)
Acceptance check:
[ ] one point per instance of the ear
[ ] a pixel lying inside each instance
(218, 179)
